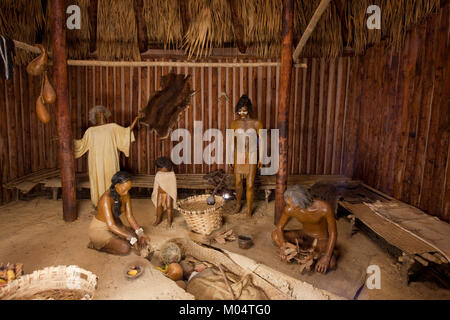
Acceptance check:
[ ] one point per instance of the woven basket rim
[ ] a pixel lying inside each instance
(219, 200)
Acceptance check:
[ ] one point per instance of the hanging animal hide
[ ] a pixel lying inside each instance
(163, 109)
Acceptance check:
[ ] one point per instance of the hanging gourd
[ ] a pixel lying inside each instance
(38, 65)
(41, 110)
(48, 93)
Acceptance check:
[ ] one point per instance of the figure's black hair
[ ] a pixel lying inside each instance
(244, 100)
(118, 178)
(164, 162)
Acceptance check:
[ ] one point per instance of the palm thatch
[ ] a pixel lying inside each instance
(117, 31)
(21, 20)
(163, 21)
(211, 25)
(77, 41)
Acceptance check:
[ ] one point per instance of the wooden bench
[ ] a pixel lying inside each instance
(196, 182)
(26, 183)
(50, 178)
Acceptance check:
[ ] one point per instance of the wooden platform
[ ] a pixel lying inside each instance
(412, 244)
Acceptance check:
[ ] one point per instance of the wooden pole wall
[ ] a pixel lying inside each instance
(283, 105)
(359, 105)
(397, 135)
(66, 157)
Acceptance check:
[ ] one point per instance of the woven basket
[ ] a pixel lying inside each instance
(203, 221)
(52, 283)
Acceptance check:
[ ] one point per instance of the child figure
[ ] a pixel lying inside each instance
(164, 194)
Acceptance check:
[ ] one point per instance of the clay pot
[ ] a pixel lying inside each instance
(41, 110)
(38, 65)
(245, 241)
(48, 93)
(175, 272)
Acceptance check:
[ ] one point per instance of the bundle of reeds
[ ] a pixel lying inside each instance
(210, 25)
(117, 37)
(21, 20)
(164, 23)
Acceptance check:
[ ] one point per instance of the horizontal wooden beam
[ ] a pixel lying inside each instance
(97, 63)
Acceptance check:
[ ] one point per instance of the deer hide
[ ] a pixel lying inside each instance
(163, 109)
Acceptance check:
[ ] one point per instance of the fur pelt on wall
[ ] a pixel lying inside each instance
(164, 107)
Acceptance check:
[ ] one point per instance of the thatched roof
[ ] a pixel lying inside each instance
(120, 29)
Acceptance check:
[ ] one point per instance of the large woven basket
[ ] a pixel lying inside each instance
(205, 219)
(52, 283)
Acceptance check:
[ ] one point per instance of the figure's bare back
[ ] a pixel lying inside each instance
(314, 218)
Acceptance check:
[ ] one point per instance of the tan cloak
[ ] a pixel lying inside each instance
(103, 143)
(168, 182)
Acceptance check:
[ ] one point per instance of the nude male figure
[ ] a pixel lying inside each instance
(245, 170)
(318, 223)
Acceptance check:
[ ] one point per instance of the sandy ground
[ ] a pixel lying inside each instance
(34, 233)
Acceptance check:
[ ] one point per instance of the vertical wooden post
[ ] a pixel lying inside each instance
(283, 109)
(66, 157)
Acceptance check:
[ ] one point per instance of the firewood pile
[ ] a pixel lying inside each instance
(294, 253)
(219, 180)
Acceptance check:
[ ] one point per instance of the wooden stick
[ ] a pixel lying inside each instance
(226, 282)
(310, 28)
(26, 46)
(98, 63)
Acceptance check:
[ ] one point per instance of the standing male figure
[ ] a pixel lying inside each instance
(247, 134)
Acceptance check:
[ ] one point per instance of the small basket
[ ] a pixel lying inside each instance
(52, 283)
(205, 219)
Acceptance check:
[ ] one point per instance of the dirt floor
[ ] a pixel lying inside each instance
(34, 233)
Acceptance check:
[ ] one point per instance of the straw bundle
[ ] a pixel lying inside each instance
(164, 24)
(266, 34)
(210, 25)
(77, 41)
(21, 20)
(117, 37)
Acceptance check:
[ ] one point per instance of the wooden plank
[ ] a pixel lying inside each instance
(27, 104)
(425, 107)
(18, 122)
(441, 101)
(322, 113)
(414, 115)
(305, 116)
(12, 131)
(134, 106)
(331, 110)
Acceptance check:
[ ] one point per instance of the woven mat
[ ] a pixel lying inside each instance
(387, 230)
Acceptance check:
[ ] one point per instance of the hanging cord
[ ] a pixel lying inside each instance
(5, 56)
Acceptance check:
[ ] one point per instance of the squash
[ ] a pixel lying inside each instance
(48, 93)
(38, 65)
(41, 110)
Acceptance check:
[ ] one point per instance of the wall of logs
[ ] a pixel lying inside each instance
(317, 113)
(382, 118)
(397, 134)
